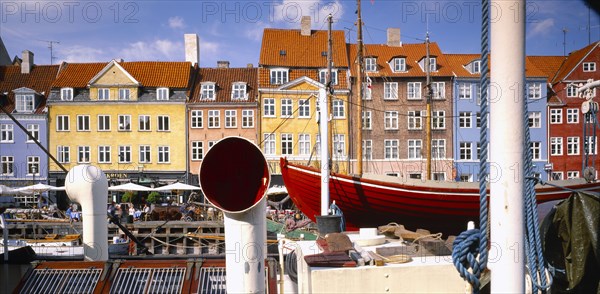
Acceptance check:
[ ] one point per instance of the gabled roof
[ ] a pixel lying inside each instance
(458, 62)
(147, 73)
(547, 64)
(412, 52)
(301, 51)
(224, 79)
(107, 68)
(39, 79)
(572, 61)
(299, 81)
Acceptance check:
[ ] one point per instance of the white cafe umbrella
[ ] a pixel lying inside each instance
(129, 187)
(39, 187)
(6, 190)
(176, 186)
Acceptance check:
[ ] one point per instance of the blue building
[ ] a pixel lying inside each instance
(466, 113)
(23, 89)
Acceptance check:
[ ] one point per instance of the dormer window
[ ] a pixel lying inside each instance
(103, 94)
(432, 64)
(279, 76)
(476, 66)
(238, 91)
(162, 94)
(323, 76)
(398, 64)
(124, 94)
(24, 102)
(589, 66)
(370, 64)
(207, 91)
(66, 94)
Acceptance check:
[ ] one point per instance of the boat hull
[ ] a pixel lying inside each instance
(438, 207)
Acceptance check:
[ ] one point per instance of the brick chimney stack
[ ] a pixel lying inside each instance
(305, 26)
(393, 37)
(27, 62)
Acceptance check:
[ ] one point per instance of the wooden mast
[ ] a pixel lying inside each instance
(359, 92)
(428, 115)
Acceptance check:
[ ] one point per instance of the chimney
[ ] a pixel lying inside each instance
(27, 62)
(393, 37)
(249, 65)
(223, 64)
(192, 48)
(305, 26)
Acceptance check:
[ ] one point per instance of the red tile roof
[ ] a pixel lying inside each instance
(547, 64)
(224, 79)
(458, 62)
(572, 61)
(301, 51)
(39, 79)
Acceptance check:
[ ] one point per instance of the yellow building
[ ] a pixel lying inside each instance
(127, 118)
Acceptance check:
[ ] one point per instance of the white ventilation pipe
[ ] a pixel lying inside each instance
(234, 177)
(88, 186)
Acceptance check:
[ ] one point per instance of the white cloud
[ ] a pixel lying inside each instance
(176, 22)
(78, 53)
(255, 32)
(156, 50)
(543, 27)
(291, 11)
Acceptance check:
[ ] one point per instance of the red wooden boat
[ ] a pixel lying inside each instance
(437, 206)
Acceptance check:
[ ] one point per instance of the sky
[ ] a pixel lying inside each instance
(91, 31)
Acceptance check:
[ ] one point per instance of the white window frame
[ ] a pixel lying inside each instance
(390, 120)
(439, 90)
(413, 91)
(572, 115)
(390, 91)
(163, 123)
(230, 118)
(145, 154)
(33, 161)
(338, 109)
(197, 119)
(104, 154)
(304, 108)
(269, 107)
(438, 148)
(207, 91)
(287, 106)
(589, 66)
(438, 120)
(279, 76)
(573, 146)
(534, 91)
(238, 91)
(7, 133)
(391, 148)
(214, 119)
(124, 123)
(247, 118)
(415, 122)
(367, 148)
(323, 76)
(287, 144)
(398, 64)
(535, 119)
(83, 154)
(572, 174)
(197, 150)
(367, 120)
(556, 116)
(465, 91)
(63, 154)
(103, 94)
(536, 150)
(476, 66)
(432, 64)
(591, 146)
(465, 119)
(164, 154)
(557, 175)
(144, 123)
(66, 94)
(62, 123)
(162, 93)
(102, 120)
(269, 143)
(556, 146)
(124, 94)
(339, 145)
(83, 123)
(572, 90)
(465, 150)
(304, 144)
(124, 155)
(370, 64)
(34, 130)
(24, 102)
(414, 148)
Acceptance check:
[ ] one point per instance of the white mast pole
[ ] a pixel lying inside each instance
(507, 147)
(324, 121)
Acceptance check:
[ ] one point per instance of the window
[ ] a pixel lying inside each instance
(83, 154)
(432, 64)
(466, 152)
(438, 120)
(466, 178)
(391, 120)
(207, 91)
(536, 150)
(590, 145)
(33, 164)
(269, 144)
(286, 107)
(8, 165)
(247, 118)
(103, 123)
(589, 66)
(399, 64)
(556, 116)
(572, 115)
(62, 123)
(414, 90)
(367, 149)
(338, 108)
(211, 143)
(66, 94)
(535, 91)
(479, 154)
(478, 120)
(572, 145)
(556, 176)
(464, 120)
(83, 123)
(366, 120)
(286, 144)
(163, 154)
(438, 148)
(162, 94)
(535, 119)
(390, 91)
(103, 94)
(144, 123)
(464, 91)
(415, 119)
(390, 149)
(439, 176)
(477, 66)
(103, 154)
(214, 119)
(145, 155)
(572, 174)
(7, 133)
(24, 102)
(304, 144)
(438, 90)
(34, 131)
(230, 118)
(556, 147)
(124, 123)
(163, 123)
(323, 77)
(339, 145)
(415, 176)
(124, 154)
(269, 107)
(370, 64)
(304, 108)
(197, 119)
(238, 91)
(414, 149)
(197, 150)
(124, 94)
(279, 76)
(571, 91)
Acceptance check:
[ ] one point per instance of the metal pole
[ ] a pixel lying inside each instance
(324, 116)
(4, 235)
(359, 93)
(507, 147)
(429, 115)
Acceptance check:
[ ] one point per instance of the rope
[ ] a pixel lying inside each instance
(469, 242)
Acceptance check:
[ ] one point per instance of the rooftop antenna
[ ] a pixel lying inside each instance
(565, 41)
(51, 47)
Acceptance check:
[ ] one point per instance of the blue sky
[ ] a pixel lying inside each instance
(232, 30)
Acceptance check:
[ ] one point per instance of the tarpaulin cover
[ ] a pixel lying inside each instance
(571, 244)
